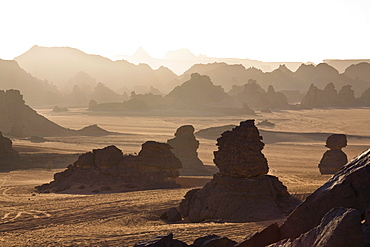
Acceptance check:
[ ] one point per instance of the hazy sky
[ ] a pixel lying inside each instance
(267, 30)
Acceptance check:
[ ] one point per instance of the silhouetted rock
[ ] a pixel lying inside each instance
(6, 149)
(241, 191)
(334, 159)
(246, 110)
(365, 98)
(93, 130)
(340, 227)
(256, 97)
(199, 94)
(347, 96)
(154, 167)
(349, 188)
(103, 94)
(37, 139)
(185, 147)
(313, 98)
(9, 158)
(266, 123)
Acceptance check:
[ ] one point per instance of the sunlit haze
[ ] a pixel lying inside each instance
(263, 30)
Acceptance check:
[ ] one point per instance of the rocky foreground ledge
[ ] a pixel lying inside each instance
(336, 214)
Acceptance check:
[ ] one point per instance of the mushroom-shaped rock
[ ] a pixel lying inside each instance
(334, 159)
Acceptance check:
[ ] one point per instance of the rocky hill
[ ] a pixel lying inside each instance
(18, 119)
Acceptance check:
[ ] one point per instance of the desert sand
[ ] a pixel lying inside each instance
(122, 219)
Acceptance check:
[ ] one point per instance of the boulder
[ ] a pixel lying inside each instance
(241, 191)
(108, 169)
(334, 159)
(348, 188)
(340, 227)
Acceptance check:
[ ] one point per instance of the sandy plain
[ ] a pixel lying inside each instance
(122, 219)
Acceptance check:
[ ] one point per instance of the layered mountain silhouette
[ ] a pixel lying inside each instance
(60, 64)
(342, 64)
(282, 78)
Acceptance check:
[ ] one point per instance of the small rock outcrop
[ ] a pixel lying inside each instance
(6, 148)
(241, 191)
(334, 159)
(185, 147)
(349, 188)
(9, 158)
(108, 169)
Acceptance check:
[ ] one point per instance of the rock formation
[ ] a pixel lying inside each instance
(9, 158)
(334, 159)
(199, 93)
(20, 120)
(108, 169)
(185, 147)
(241, 191)
(6, 149)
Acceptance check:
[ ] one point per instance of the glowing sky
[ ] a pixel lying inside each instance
(267, 30)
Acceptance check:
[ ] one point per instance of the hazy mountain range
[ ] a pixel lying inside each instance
(67, 76)
(181, 60)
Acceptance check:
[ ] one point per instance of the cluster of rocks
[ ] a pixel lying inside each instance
(256, 97)
(334, 159)
(336, 214)
(108, 169)
(316, 97)
(185, 146)
(241, 191)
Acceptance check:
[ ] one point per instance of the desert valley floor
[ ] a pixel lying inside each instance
(122, 219)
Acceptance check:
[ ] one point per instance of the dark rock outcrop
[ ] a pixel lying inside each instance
(241, 191)
(340, 227)
(108, 169)
(348, 188)
(6, 149)
(185, 147)
(334, 159)
(9, 158)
